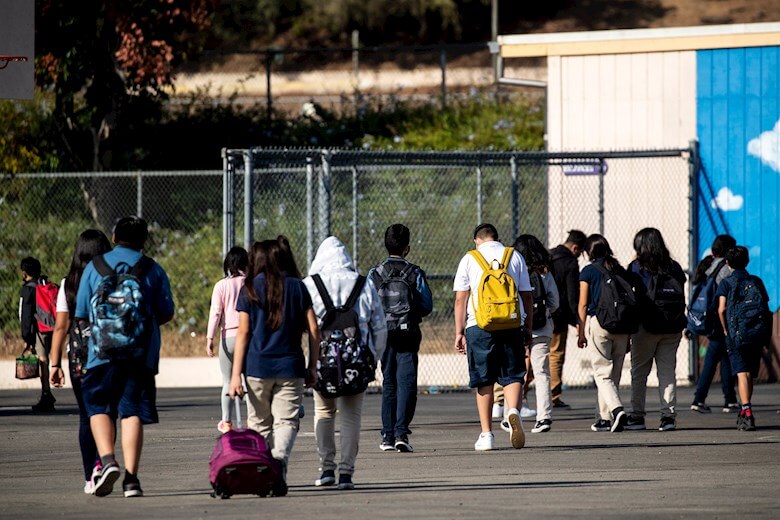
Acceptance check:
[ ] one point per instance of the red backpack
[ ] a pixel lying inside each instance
(46, 305)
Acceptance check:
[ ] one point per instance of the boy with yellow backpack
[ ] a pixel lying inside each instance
(493, 315)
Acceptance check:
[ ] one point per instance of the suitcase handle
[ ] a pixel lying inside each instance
(237, 400)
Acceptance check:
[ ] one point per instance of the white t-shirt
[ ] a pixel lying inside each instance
(469, 274)
(62, 301)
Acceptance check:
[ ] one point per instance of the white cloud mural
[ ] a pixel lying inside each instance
(727, 201)
(767, 147)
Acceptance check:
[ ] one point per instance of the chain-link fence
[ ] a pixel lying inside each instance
(354, 195)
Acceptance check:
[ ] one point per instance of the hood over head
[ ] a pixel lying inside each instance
(331, 256)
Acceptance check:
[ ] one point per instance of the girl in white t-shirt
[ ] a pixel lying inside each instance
(91, 243)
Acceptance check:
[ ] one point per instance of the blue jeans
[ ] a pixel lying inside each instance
(399, 390)
(716, 353)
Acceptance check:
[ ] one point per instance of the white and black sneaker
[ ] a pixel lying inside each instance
(635, 422)
(328, 478)
(388, 443)
(104, 484)
(402, 444)
(619, 420)
(602, 425)
(542, 426)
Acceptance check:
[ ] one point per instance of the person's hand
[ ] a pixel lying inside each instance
(57, 377)
(687, 334)
(460, 343)
(311, 377)
(210, 347)
(582, 341)
(236, 388)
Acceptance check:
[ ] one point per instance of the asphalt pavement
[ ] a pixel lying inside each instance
(706, 468)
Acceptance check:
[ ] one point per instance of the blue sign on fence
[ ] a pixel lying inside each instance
(587, 168)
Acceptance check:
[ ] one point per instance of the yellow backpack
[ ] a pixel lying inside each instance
(498, 307)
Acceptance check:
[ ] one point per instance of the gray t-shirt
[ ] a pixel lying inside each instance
(723, 273)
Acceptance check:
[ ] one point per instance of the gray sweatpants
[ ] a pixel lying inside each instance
(226, 367)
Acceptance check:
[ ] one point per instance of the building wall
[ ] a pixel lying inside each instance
(738, 106)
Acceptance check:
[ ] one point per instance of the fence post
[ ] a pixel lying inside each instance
(248, 194)
(479, 195)
(324, 196)
(225, 204)
(693, 246)
(356, 59)
(515, 200)
(601, 198)
(139, 196)
(309, 210)
(355, 252)
(269, 56)
(443, 65)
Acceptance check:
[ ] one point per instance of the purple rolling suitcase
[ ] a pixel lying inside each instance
(241, 463)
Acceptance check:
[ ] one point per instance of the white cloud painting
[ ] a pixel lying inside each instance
(727, 201)
(767, 147)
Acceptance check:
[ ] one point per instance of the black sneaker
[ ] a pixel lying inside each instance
(279, 488)
(602, 425)
(560, 404)
(345, 482)
(700, 407)
(387, 444)
(749, 423)
(740, 421)
(542, 426)
(731, 408)
(667, 424)
(45, 404)
(619, 419)
(328, 478)
(132, 487)
(635, 422)
(104, 484)
(402, 444)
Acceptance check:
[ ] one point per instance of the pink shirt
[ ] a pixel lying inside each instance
(223, 307)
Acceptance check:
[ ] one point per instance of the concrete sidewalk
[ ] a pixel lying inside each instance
(704, 469)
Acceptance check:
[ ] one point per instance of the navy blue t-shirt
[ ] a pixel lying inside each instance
(276, 353)
(592, 276)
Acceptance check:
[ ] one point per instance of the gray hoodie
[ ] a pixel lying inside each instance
(334, 265)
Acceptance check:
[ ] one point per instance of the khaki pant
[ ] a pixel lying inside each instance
(557, 358)
(606, 352)
(540, 363)
(350, 411)
(498, 394)
(646, 347)
(272, 408)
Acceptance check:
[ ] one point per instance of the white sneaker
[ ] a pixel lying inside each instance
(498, 411)
(505, 425)
(516, 435)
(89, 487)
(484, 442)
(526, 412)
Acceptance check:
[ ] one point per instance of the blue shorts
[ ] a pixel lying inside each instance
(745, 358)
(497, 356)
(121, 390)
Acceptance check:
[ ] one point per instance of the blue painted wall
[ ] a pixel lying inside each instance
(738, 124)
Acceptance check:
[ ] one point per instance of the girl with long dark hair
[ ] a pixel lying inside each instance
(91, 243)
(606, 350)
(659, 334)
(274, 310)
(223, 314)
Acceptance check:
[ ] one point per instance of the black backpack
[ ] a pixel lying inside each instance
(346, 365)
(78, 347)
(539, 295)
(748, 318)
(618, 308)
(396, 289)
(664, 309)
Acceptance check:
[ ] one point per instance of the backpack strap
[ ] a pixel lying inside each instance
(508, 251)
(356, 290)
(408, 269)
(714, 273)
(102, 267)
(323, 292)
(480, 259)
(141, 267)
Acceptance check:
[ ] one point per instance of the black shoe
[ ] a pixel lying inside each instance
(45, 404)
(402, 444)
(542, 426)
(667, 424)
(635, 422)
(619, 419)
(602, 425)
(700, 407)
(560, 404)
(104, 483)
(132, 487)
(387, 444)
(328, 478)
(345, 482)
(279, 489)
(749, 423)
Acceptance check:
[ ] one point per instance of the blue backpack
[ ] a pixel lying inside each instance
(703, 310)
(118, 312)
(748, 318)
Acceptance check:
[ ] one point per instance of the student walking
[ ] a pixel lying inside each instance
(603, 287)
(566, 272)
(37, 303)
(333, 283)
(223, 314)
(274, 311)
(126, 296)
(492, 304)
(743, 310)
(662, 301)
(712, 271)
(75, 334)
(545, 302)
(406, 299)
